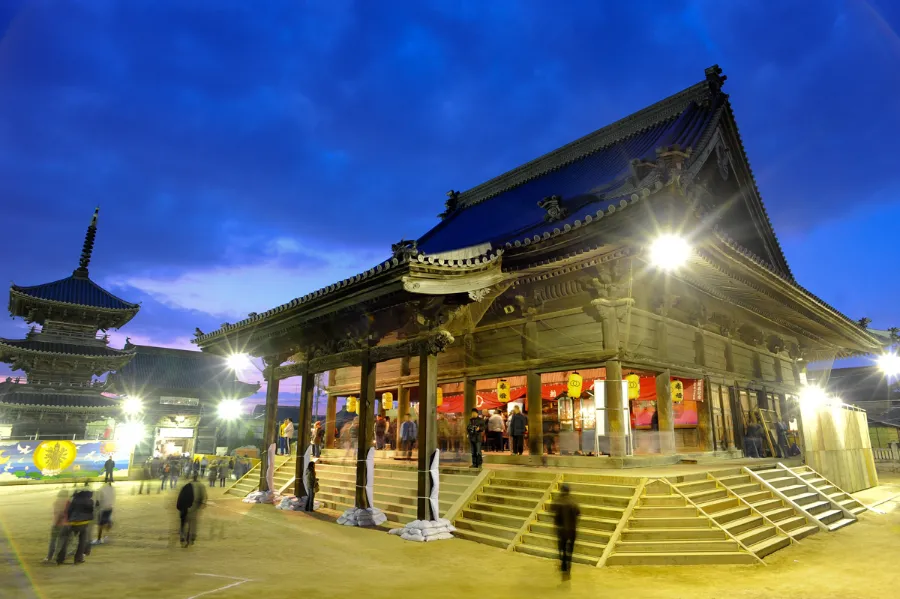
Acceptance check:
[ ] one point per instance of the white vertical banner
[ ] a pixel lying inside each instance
(370, 476)
(270, 468)
(306, 457)
(629, 438)
(435, 484)
(599, 413)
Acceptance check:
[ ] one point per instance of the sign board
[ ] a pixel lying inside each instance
(176, 433)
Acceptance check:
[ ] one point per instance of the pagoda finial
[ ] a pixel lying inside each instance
(88, 248)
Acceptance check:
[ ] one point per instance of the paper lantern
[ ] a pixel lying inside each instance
(440, 396)
(351, 405)
(574, 385)
(387, 401)
(677, 391)
(502, 390)
(634, 386)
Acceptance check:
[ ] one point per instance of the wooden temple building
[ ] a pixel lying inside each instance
(549, 269)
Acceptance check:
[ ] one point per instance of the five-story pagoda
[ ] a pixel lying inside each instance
(66, 348)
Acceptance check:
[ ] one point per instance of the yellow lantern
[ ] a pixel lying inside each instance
(574, 385)
(502, 390)
(677, 391)
(440, 397)
(351, 405)
(387, 401)
(634, 386)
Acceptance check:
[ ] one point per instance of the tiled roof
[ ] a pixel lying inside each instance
(165, 368)
(64, 348)
(76, 290)
(584, 184)
(22, 396)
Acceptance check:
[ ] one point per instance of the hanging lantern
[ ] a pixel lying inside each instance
(351, 405)
(502, 390)
(574, 385)
(677, 391)
(387, 401)
(634, 386)
(440, 397)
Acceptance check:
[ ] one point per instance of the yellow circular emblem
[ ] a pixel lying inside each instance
(52, 457)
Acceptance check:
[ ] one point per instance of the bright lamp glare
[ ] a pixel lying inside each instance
(229, 409)
(813, 396)
(889, 364)
(669, 252)
(130, 433)
(239, 361)
(132, 405)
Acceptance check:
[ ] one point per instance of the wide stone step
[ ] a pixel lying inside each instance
(485, 539)
(593, 511)
(857, 510)
(842, 522)
(661, 501)
(548, 553)
(793, 489)
(805, 498)
(665, 512)
(744, 488)
(770, 545)
(768, 504)
(789, 524)
(734, 479)
(487, 528)
(817, 507)
(755, 497)
(550, 542)
(520, 502)
(745, 524)
(734, 513)
(597, 537)
(584, 499)
(830, 516)
(493, 518)
(674, 546)
(673, 534)
(533, 474)
(691, 558)
(691, 487)
(669, 523)
(803, 531)
(717, 505)
(601, 489)
(585, 522)
(769, 473)
(757, 535)
(525, 483)
(779, 514)
(708, 495)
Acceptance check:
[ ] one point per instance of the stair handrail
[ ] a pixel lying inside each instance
(820, 475)
(708, 517)
(753, 510)
(623, 522)
(525, 525)
(246, 474)
(847, 513)
(809, 517)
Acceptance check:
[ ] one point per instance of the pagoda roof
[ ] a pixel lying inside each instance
(19, 396)
(76, 290)
(168, 368)
(69, 349)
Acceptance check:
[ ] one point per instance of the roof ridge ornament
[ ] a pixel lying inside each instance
(88, 247)
(714, 78)
(404, 249)
(451, 205)
(555, 210)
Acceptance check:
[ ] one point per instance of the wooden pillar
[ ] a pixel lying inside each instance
(402, 409)
(427, 439)
(705, 425)
(535, 415)
(304, 423)
(469, 399)
(364, 439)
(662, 339)
(700, 348)
(270, 429)
(729, 355)
(779, 373)
(615, 412)
(664, 412)
(330, 418)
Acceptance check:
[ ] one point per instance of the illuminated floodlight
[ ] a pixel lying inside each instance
(132, 405)
(889, 365)
(813, 396)
(669, 252)
(131, 433)
(229, 409)
(239, 362)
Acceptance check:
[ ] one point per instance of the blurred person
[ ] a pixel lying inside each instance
(191, 499)
(565, 518)
(79, 516)
(380, 431)
(345, 438)
(318, 437)
(288, 436)
(475, 432)
(213, 473)
(781, 429)
(409, 432)
(204, 463)
(443, 432)
(392, 432)
(354, 434)
(106, 497)
(108, 467)
(495, 430)
(195, 467)
(518, 426)
(173, 473)
(312, 485)
(58, 526)
(164, 475)
(223, 472)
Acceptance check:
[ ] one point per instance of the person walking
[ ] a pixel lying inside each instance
(204, 463)
(475, 431)
(108, 467)
(106, 497)
(380, 431)
(518, 426)
(392, 433)
(409, 432)
(173, 474)
(79, 516)
(781, 429)
(495, 432)
(213, 473)
(288, 435)
(163, 476)
(224, 471)
(565, 518)
(195, 467)
(312, 486)
(191, 499)
(58, 526)
(318, 437)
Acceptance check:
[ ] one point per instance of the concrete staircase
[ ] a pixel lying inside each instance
(284, 473)
(394, 488)
(665, 529)
(835, 494)
(799, 493)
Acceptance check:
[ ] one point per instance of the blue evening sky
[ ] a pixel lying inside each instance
(245, 153)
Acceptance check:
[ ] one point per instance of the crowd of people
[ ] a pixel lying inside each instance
(172, 468)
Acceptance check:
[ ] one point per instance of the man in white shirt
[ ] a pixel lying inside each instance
(495, 431)
(106, 497)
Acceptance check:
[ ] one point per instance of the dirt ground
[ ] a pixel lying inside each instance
(257, 551)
